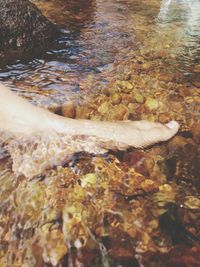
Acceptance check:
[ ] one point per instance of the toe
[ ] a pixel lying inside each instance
(159, 133)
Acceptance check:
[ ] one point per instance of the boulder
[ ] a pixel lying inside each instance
(23, 29)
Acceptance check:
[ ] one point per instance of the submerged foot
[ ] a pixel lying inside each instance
(147, 133)
(55, 137)
(33, 154)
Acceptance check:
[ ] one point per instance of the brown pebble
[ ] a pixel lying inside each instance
(116, 99)
(179, 142)
(164, 118)
(126, 99)
(195, 129)
(83, 112)
(184, 91)
(69, 110)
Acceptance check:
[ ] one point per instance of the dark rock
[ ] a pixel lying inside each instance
(69, 110)
(23, 28)
(171, 224)
(195, 129)
(183, 160)
(178, 256)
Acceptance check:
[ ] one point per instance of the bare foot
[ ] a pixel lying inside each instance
(18, 116)
(147, 133)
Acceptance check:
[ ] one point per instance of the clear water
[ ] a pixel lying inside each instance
(97, 33)
(99, 37)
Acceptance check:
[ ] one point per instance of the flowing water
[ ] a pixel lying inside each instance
(100, 211)
(96, 33)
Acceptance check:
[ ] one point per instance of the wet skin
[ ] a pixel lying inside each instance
(19, 117)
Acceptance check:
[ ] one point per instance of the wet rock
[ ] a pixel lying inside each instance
(23, 28)
(147, 65)
(192, 202)
(126, 76)
(116, 99)
(178, 142)
(125, 86)
(105, 108)
(109, 91)
(69, 110)
(88, 179)
(83, 112)
(195, 129)
(171, 223)
(196, 82)
(138, 97)
(184, 91)
(197, 68)
(127, 99)
(151, 103)
(178, 256)
(119, 112)
(55, 108)
(121, 254)
(164, 118)
(183, 161)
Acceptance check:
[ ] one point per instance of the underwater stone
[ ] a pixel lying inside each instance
(116, 99)
(151, 103)
(69, 110)
(138, 97)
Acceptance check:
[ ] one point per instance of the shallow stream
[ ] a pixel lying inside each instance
(115, 60)
(96, 33)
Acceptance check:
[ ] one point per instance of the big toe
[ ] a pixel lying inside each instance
(173, 127)
(160, 133)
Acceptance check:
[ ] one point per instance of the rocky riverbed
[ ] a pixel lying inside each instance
(122, 208)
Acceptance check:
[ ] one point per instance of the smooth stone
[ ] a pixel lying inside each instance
(104, 108)
(151, 103)
(138, 97)
(116, 99)
(125, 86)
(69, 110)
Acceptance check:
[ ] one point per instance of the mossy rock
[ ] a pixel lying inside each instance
(105, 108)
(125, 86)
(116, 99)
(151, 103)
(138, 97)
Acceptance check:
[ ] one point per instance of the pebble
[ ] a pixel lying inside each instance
(151, 103)
(138, 97)
(125, 86)
(116, 99)
(195, 129)
(69, 110)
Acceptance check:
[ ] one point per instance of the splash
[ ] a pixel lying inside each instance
(32, 155)
(38, 139)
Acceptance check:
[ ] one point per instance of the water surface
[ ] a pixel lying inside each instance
(134, 208)
(96, 33)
